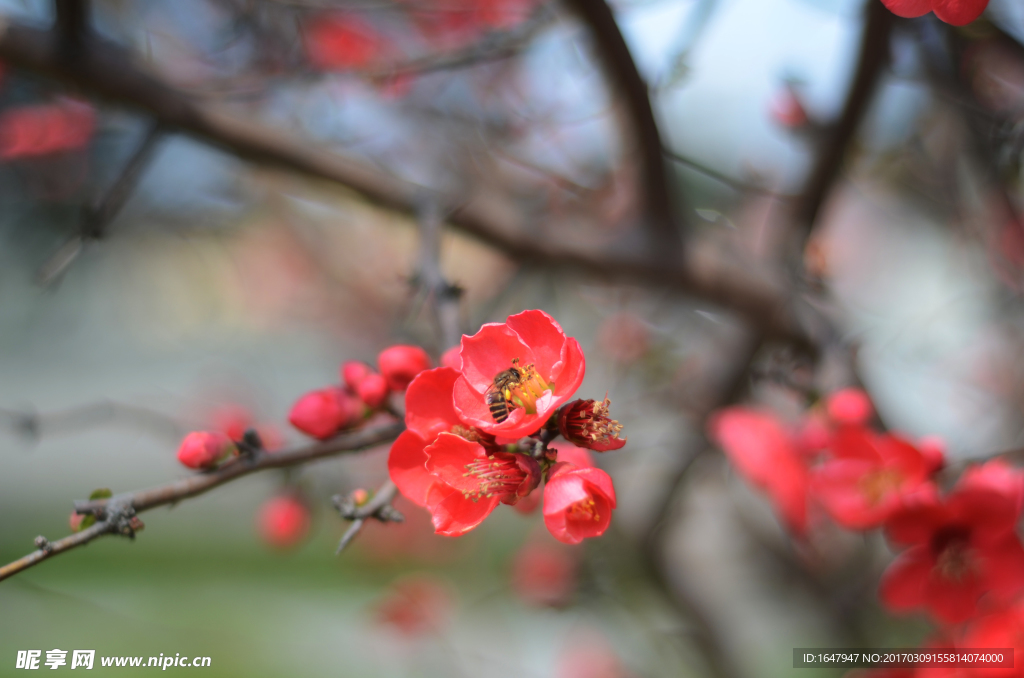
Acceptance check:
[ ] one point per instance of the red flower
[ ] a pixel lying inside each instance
(962, 548)
(1004, 629)
(586, 423)
(373, 390)
(340, 42)
(44, 129)
(578, 498)
(999, 477)
(868, 477)
(202, 449)
(401, 364)
(787, 108)
(440, 464)
(956, 12)
(284, 521)
(544, 573)
(323, 413)
(469, 483)
(550, 365)
(415, 605)
(769, 457)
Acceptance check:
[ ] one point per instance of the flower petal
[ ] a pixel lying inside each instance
(407, 466)
(491, 351)
(453, 514)
(429, 408)
(543, 334)
(908, 8)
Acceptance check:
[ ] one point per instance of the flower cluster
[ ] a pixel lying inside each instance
(960, 559)
(956, 12)
(477, 434)
(324, 412)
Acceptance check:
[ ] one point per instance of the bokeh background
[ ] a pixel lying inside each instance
(225, 284)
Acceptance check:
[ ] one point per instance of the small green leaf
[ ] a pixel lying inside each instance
(102, 493)
(86, 522)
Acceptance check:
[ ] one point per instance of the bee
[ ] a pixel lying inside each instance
(500, 392)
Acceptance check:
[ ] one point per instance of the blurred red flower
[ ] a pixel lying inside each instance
(284, 521)
(544, 573)
(850, 406)
(415, 605)
(867, 476)
(341, 42)
(46, 128)
(1002, 629)
(764, 451)
(962, 547)
(551, 365)
(956, 12)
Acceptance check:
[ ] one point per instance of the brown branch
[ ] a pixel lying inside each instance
(111, 512)
(54, 548)
(379, 507)
(106, 70)
(666, 233)
(874, 55)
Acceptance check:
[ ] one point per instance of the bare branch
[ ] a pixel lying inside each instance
(106, 71)
(110, 512)
(379, 507)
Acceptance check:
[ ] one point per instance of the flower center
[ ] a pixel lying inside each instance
(584, 509)
(877, 484)
(495, 476)
(954, 560)
(530, 387)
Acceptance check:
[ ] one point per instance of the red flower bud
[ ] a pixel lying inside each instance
(323, 413)
(353, 372)
(401, 364)
(373, 390)
(202, 449)
(452, 358)
(75, 521)
(586, 423)
(284, 521)
(849, 406)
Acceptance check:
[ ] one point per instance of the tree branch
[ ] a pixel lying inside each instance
(109, 512)
(106, 70)
(375, 508)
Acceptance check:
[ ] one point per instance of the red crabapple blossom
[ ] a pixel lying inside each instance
(552, 367)
(963, 552)
(586, 423)
(867, 477)
(284, 521)
(764, 451)
(578, 498)
(956, 12)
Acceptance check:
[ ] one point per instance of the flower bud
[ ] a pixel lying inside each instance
(284, 521)
(75, 521)
(353, 372)
(204, 450)
(360, 496)
(849, 406)
(373, 390)
(323, 413)
(452, 358)
(401, 364)
(586, 423)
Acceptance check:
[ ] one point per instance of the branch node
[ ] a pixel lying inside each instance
(43, 544)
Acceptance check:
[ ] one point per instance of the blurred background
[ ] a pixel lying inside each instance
(160, 275)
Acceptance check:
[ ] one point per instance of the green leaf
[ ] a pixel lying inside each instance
(102, 493)
(86, 522)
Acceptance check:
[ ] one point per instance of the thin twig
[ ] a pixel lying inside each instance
(375, 508)
(36, 424)
(194, 485)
